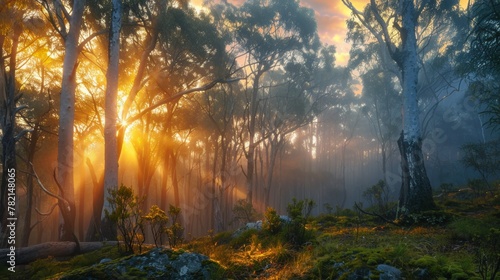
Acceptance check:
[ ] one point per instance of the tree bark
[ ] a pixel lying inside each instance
(8, 125)
(111, 110)
(416, 191)
(66, 121)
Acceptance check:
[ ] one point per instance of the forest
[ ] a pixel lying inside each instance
(169, 122)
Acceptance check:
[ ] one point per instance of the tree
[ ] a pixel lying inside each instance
(401, 44)
(482, 62)
(482, 157)
(110, 123)
(58, 15)
(382, 110)
(264, 33)
(10, 34)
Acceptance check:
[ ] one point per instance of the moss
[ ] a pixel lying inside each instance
(134, 271)
(429, 262)
(460, 276)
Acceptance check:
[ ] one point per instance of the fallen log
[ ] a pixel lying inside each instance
(26, 255)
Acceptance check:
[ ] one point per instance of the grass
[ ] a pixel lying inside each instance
(341, 244)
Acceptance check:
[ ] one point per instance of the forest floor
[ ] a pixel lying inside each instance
(461, 240)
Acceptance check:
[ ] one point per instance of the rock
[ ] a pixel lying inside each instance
(256, 225)
(389, 272)
(422, 274)
(285, 218)
(105, 260)
(360, 274)
(155, 264)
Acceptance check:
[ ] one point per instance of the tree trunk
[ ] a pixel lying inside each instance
(8, 125)
(111, 110)
(29, 186)
(94, 228)
(66, 121)
(416, 191)
(251, 141)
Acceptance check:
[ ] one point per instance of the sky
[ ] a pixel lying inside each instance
(331, 16)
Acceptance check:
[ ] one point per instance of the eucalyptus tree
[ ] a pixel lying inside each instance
(481, 58)
(111, 104)
(18, 26)
(265, 35)
(222, 107)
(68, 25)
(308, 84)
(382, 108)
(403, 29)
(8, 112)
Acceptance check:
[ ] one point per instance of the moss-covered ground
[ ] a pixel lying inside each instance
(459, 241)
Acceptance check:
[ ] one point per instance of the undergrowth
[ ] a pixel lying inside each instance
(460, 241)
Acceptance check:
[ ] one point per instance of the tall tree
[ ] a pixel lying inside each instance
(8, 98)
(265, 32)
(65, 150)
(401, 45)
(111, 109)
(482, 60)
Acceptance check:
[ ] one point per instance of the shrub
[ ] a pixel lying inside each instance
(157, 220)
(488, 257)
(272, 221)
(244, 212)
(469, 229)
(174, 232)
(125, 213)
(298, 211)
(378, 195)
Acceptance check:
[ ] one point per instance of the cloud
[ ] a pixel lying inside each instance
(331, 16)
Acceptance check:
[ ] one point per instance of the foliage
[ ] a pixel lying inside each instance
(157, 220)
(378, 195)
(488, 256)
(175, 231)
(467, 248)
(428, 218)
(482, 157)
(244, 212)
(126, 215)
(298, 211)
(272, 221)
(469, 229)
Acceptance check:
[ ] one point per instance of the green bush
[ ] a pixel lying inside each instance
(157, 220)
(245, 238)
(175, 231)
(126, 215)
(488, 256)
(244, 212)
(298, 211)
(469, 229)
(272, 221)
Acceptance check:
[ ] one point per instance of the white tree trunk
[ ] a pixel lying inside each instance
(111, 112)
(66, 122)
(416, 192)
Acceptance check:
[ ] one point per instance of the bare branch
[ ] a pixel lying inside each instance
(47, 213)
(59, 198)
(375, 215)
(179, 95)
(21, 134)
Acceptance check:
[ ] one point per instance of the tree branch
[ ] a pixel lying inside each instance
(179, 95)
(375, 215)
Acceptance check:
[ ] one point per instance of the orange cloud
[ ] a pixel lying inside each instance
(331, 17)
